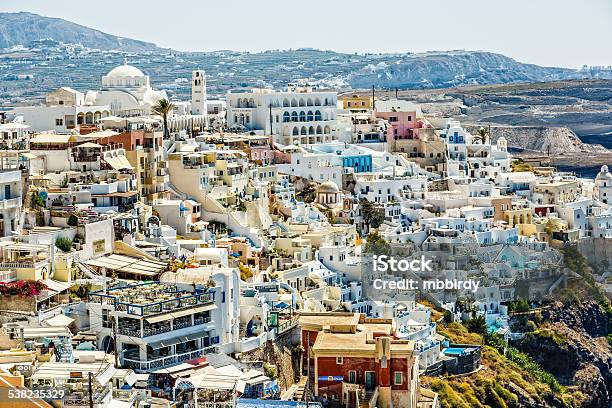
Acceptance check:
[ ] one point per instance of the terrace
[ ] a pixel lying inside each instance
(152, 299)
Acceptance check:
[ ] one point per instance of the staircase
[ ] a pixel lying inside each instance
(93, 277)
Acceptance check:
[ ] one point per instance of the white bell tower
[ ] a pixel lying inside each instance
(198, 94)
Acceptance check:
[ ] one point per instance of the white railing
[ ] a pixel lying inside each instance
(167, 360)
(23, 265)
(8, 276)
(10, 203)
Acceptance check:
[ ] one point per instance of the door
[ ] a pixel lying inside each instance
(370, 380)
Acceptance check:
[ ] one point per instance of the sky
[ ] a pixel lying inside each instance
(564, 33)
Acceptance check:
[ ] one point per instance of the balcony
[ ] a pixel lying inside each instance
(8, 276)
(133, 330)
(167, 361)
(23, 265)
(10, 203)
(152, 299)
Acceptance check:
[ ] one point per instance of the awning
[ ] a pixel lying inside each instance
(59, 320)
(118, 162)
(175, 340)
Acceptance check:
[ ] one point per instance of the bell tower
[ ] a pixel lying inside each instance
(198, 94)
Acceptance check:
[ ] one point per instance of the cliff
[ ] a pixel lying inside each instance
(541, 139)
(571, 344)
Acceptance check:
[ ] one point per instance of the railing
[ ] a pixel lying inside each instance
(283, 327)
(8, 276)
(154, 307)
(10, 203)
(167, 360)
(373, 399)
(214, 404)
(23, 265)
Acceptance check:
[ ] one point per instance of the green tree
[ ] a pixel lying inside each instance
(477, 325)
(73, 221)
(482, 134)
(163, 108)
(377, 245)
(65, 244)
(372, 217)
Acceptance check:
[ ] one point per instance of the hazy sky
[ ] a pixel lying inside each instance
(566, 33)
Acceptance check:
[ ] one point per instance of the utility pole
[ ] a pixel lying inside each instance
(373, 103)
(91, 404)
(115, 343)
(270, 118)
(306, 390)
(396, 89)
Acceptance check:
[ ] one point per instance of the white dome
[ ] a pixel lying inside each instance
(328, 187)
(123, 71)
(604, 174)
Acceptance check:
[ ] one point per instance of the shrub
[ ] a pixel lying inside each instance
(25, 288)
(65, 244)
(73, 221)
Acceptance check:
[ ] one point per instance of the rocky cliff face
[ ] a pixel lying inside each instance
(542, 139)
(571, 344)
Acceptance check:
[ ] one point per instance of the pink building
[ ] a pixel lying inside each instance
(402, 117)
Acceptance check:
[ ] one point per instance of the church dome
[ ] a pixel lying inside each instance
(328, 187)
(604, 174)
(123, 71)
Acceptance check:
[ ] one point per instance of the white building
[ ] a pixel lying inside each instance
(127, 91)
(10, 202)
(298, 116)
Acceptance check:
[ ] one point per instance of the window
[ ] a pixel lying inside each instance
(339, 360)
(398, 378)
(392, 118)
(352, 377)
(59, 122)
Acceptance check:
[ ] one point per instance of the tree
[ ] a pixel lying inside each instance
(483, 135)
(73, 221)
(372, 217)
(377, 245)
(64, 244)
(477, 325)
(163, 108)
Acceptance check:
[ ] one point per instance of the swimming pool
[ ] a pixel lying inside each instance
(454, 351)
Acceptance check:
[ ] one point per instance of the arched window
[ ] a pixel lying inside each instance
(309, 102)
(286, 103)
(317, 102)
(302, 116)
(318, 115)
(294, 116)
(302, 102)
(319, 130)
(310, 116)
(294, 102)
(303, 130)
(327, 130)
(311, 130)
(286, 117)
(296, 131)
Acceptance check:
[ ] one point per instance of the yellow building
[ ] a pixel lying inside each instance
(556, 192)
(356, 102)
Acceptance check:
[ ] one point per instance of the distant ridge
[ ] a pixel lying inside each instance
(22, 28)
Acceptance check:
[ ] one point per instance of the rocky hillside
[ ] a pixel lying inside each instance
(571, 344)
(23, 28)
(542, 139)
(454, 68)
(501, 383)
